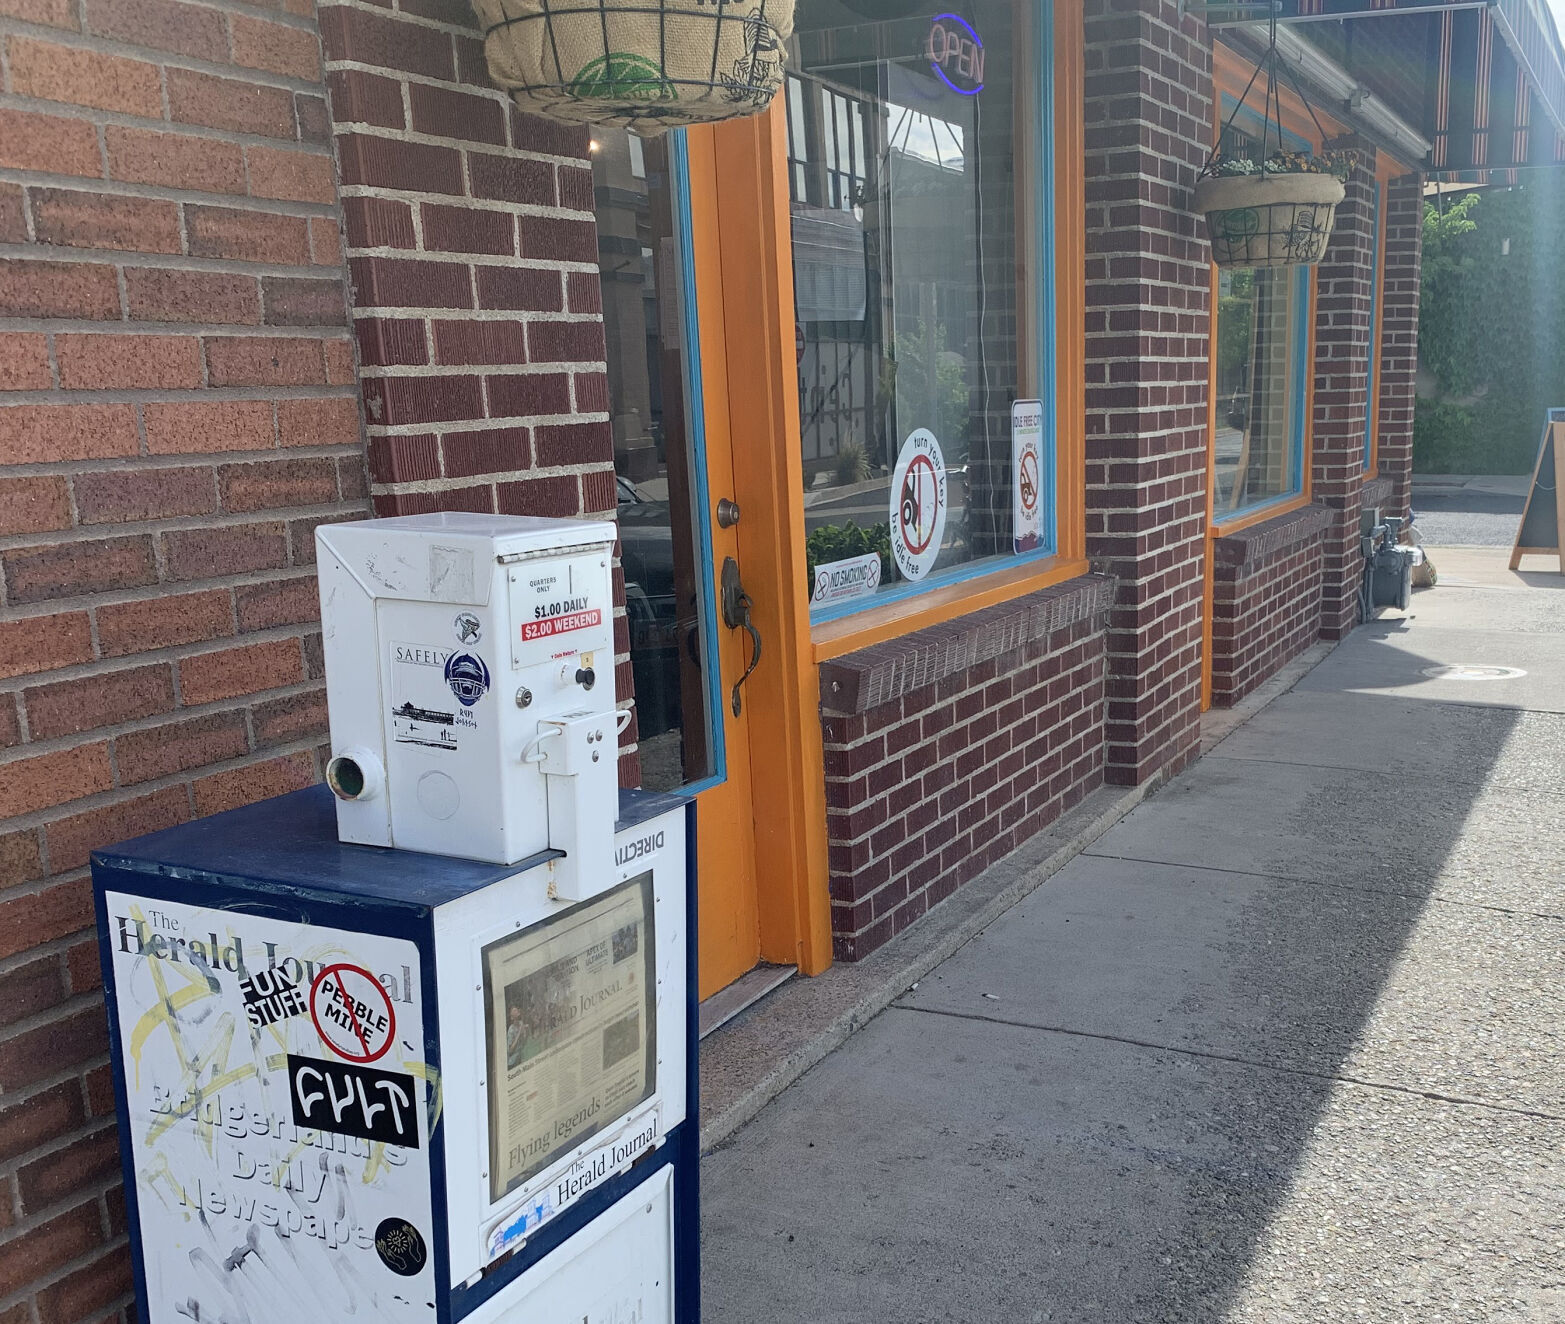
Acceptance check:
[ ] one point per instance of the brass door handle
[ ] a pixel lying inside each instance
(736, 605)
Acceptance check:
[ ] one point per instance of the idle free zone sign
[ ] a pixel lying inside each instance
(278, 1107)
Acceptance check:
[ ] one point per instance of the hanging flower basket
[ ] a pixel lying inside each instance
(1269, 220)
(643, 64)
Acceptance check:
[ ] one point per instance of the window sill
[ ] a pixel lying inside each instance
(880, 674)
(875, 625)
(1260, 514)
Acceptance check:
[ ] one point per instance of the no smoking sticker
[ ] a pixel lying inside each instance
(352, 1013)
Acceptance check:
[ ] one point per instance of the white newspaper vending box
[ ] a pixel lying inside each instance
(359, 1080)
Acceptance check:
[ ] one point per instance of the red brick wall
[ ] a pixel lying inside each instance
(947, 749)
(474, 256)
(1148, 133)
(1266, 590)
(177, 413)
(1342, 347)
(1404, 203)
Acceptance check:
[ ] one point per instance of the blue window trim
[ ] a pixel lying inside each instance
(695, 415)
(1249, 121)
(1047, 368)
(1374, 318)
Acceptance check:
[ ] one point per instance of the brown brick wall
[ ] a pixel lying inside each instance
(178, 411)
(947, 749)
(1404, 203)
(473, 249)
(1148, 133)
(1266, 591)
(1342, 348)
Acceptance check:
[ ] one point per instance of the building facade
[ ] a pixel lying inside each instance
(953, 480)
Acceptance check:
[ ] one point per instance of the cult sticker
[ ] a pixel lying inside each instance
(469, 629)
(352, 1013)
(918, 504)
(353, 1101)
(271, 996)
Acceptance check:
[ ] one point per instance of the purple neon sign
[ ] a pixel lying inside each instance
(955, 47)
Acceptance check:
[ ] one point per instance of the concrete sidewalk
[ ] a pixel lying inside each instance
(1237, 1061)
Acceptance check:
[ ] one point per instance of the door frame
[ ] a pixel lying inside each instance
(742, 265)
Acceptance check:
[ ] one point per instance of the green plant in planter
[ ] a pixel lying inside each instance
(1337, 164)
(839, 542)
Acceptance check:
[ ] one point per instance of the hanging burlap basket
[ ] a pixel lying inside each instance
(1269, 220)
(642, 64)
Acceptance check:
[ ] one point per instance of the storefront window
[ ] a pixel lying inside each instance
(919, 198)
(1261, 346)
(657, 476)
(1262, 349)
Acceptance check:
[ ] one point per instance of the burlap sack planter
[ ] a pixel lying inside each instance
(1269, 220)
(642, 64)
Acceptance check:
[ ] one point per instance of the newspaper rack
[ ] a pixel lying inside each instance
(314, 1127)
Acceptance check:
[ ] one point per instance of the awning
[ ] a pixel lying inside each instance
(1484, 81)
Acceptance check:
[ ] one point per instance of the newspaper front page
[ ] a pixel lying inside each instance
(571, 1012)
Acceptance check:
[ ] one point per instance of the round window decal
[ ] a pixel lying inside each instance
(1465, 671)
(918, 504)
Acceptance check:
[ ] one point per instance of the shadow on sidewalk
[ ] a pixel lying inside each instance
(1123, 1102)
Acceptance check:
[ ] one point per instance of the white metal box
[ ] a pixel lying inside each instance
(470, 683)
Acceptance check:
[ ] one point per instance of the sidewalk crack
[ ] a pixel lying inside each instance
(1335, 1077)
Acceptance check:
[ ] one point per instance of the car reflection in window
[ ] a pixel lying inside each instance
(652, 609)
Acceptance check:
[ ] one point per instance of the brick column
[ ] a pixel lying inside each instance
(473, 249)
(1342, 330)
(177, 413)
(1148, 132)
(1404, 202)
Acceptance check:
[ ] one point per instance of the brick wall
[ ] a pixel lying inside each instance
(1344, 284)
(474, 257)
(1148, 132)
(945, 750)
(177, 413)
(1404, 203)
(1266, 593)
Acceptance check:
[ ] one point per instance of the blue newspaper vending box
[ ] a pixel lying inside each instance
(359, 1083)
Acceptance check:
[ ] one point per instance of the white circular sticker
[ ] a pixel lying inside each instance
(918, 504)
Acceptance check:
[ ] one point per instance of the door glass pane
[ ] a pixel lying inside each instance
(1258, 386)
(914, 150)
(667, 604)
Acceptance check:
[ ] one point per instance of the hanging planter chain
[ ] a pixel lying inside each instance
(1273, 216)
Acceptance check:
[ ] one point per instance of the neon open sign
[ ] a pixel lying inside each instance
(956, 54)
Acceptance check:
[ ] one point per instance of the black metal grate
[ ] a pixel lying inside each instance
(1277, 234)
(638, 63)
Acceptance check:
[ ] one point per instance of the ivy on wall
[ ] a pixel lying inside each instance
(1491, 335)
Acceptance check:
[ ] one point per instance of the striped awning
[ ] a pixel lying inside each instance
(1492, 77)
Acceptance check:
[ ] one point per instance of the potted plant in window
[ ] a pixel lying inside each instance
(644, 64)
(1277, 212)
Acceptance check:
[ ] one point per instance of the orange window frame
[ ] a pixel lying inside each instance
(875, 625)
